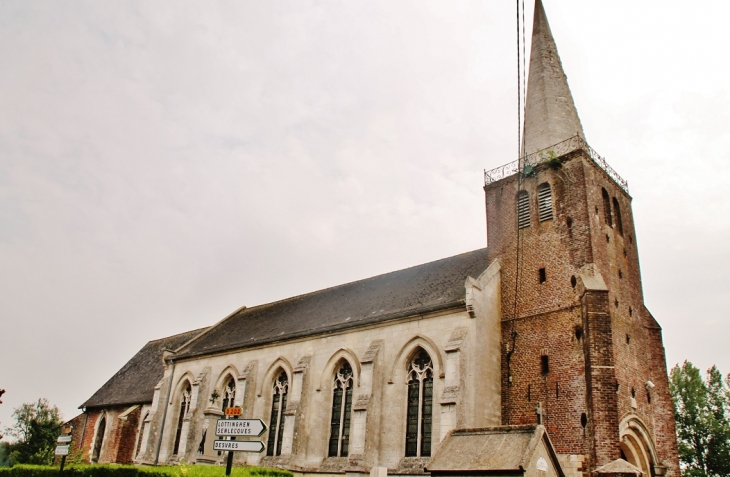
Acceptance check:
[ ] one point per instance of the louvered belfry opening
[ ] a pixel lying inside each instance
(545, 202)
(341, 410)
(607, 217)
(523, 210)
(617, 213)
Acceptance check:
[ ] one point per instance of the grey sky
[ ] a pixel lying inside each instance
(164, 163)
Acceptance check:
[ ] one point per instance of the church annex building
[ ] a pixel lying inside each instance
(533, 356)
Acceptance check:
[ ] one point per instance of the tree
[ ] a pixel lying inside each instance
(4, 454)
(37, 426)
(702, 413)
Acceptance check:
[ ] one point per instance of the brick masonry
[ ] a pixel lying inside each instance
(601, 346)
(119, 439)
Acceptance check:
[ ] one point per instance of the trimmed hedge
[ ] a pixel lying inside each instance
(103, 470)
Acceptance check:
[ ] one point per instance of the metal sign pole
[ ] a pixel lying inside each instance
(229, 464)
(62, 450)
(63, 461)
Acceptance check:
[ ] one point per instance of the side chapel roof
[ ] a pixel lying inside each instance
(420, 289)
(502, 450)
(135, 382)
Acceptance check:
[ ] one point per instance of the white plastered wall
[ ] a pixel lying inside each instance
(465, 354)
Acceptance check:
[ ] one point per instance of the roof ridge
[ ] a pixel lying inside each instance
(202, 329)
(299, 314)
(321, 290)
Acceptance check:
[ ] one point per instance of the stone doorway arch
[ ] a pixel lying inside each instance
(637, 446)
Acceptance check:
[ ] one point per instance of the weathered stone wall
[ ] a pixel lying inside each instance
(464, 350)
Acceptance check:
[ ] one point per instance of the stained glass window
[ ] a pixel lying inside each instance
(184, 408)
(276, 422)
(229, 394)
(341, 409)
(420, 406)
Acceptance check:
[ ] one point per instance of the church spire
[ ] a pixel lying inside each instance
(550, 114)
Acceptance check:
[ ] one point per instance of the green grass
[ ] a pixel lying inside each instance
(111, 470)
(213, 471)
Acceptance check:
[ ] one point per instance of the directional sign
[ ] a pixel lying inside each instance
(240, 427)
(245, 446)
(61, 450)
(63, 439)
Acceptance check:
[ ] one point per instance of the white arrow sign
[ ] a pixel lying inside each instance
(240, 427)
(245, 446)
(63, 439)
(61, 450)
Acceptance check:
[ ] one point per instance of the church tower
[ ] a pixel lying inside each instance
(580, 352)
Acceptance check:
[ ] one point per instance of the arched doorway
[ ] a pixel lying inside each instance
(637, 446)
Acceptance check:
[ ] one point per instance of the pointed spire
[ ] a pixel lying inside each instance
(550, 114)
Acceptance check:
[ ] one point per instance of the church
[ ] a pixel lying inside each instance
(532, 356)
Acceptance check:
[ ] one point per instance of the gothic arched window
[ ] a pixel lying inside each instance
(99, 440)
(341, 408)
(420, 406)
(523, 210)
(544, 202)
(229, 394)
(278, 406)
(184, 408)
(607, 208)
(617, 212)
(140, 435)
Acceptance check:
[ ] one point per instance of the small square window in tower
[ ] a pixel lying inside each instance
(523, 210)
(545, 202)
(544, 365)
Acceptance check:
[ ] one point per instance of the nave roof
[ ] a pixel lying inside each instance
(135, 382)
(420, 289)
(427, 287)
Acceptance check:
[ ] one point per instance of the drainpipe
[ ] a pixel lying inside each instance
(164, 413)
(83, 429)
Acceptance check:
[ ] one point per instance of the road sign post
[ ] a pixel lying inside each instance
(229, 462)
(238, 427)
(62, 449)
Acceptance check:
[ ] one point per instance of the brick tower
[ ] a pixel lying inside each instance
(580, 351)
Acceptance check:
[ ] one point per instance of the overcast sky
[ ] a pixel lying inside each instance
(164, 163)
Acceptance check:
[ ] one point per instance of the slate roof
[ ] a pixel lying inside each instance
(420, 289)
(499, 450)
(135, 382)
